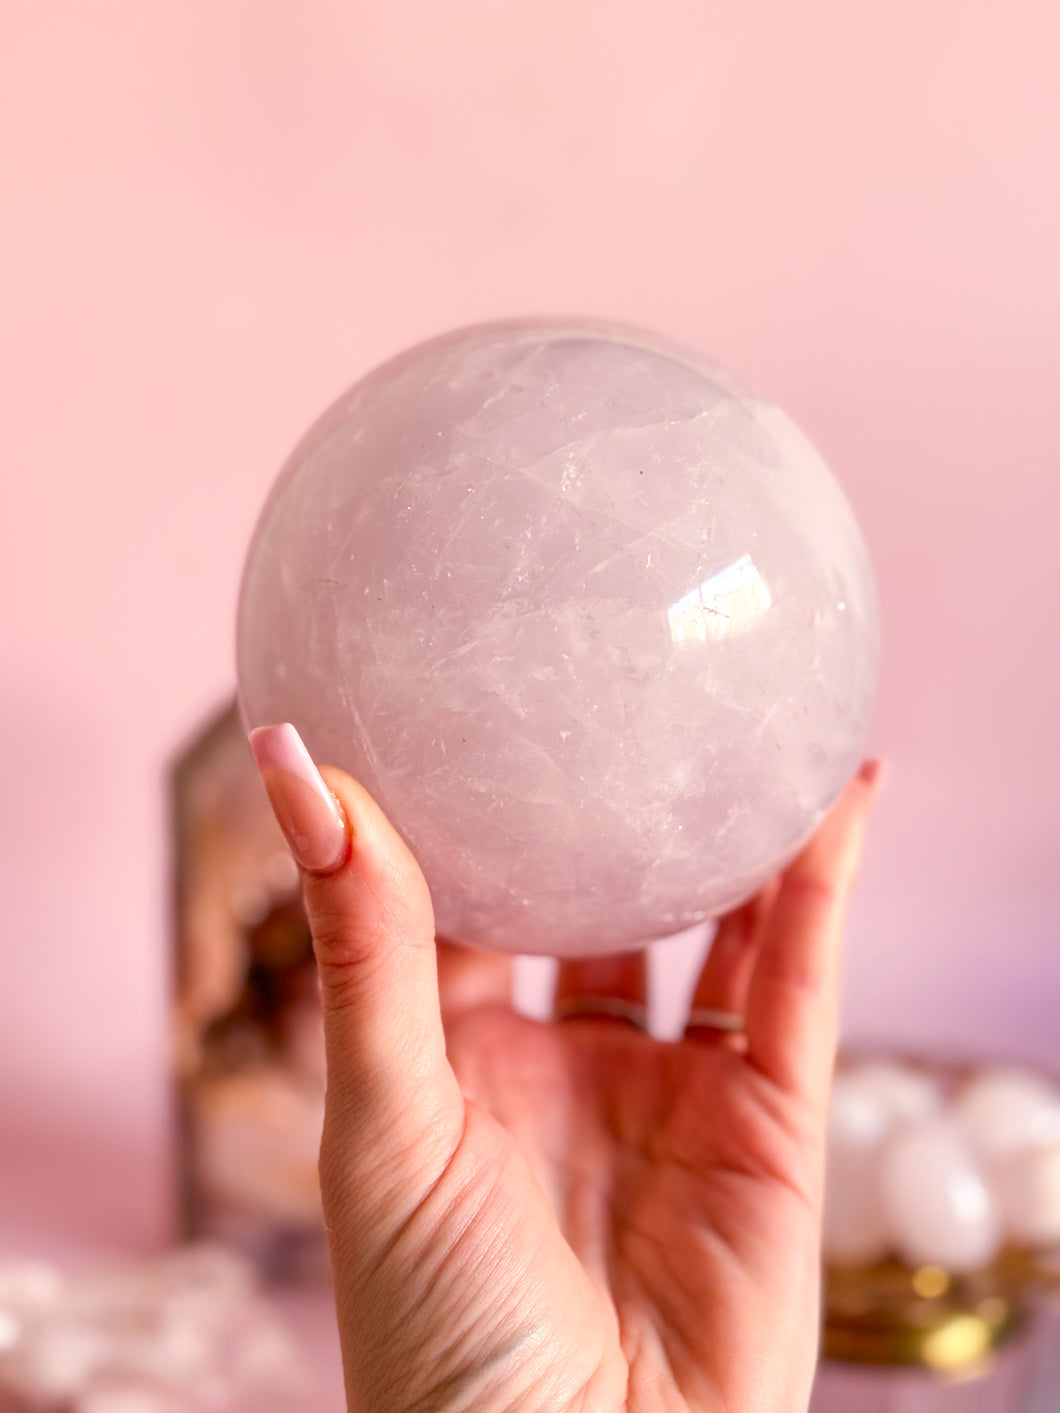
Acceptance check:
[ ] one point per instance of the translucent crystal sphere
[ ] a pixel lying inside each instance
(592, 622)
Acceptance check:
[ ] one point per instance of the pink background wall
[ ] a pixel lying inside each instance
(216, 215)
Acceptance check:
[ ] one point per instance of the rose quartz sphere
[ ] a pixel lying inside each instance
(592, 622)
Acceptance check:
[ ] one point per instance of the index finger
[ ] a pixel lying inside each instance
(793, 999)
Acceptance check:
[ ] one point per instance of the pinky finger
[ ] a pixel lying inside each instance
(793, 997)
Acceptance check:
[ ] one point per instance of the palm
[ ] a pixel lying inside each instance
(669, 1180)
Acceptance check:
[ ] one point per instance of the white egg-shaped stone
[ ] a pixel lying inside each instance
(938, 1207)
(854, 1231)
(906, 1094)
(29, 1287)
(1006, 1112)
(1028, 1186)
(58, 1360)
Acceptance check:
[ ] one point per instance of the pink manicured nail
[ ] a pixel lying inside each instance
(307, 811)
(870, 771)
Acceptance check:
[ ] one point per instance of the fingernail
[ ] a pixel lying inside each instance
(308, 813)
(871, 771)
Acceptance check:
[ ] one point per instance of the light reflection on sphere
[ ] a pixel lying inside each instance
(591, 621)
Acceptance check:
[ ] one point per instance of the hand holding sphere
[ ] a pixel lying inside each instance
(597, 628)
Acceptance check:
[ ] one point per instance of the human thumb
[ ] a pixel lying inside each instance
(370, 914)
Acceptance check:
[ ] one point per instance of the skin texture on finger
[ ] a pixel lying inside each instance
(373, 934)
(793, 995)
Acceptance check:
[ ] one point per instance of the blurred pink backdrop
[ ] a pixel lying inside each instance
(216, 216)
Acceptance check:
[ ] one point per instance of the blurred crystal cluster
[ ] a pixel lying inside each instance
(942, 1209)
(249, 1034)
(186, 1333)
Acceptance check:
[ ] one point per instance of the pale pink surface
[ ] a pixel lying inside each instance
(217, 216)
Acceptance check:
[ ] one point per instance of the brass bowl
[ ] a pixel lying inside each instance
(891, 1314)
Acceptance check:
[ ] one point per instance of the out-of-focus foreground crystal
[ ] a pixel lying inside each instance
(185, 1333)
(592, 622)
